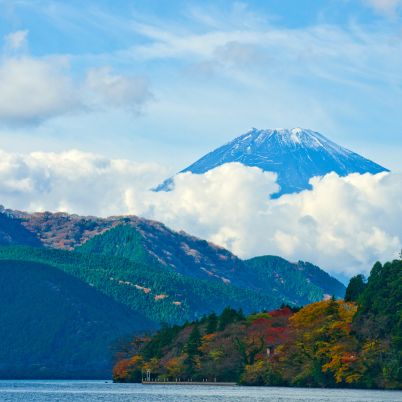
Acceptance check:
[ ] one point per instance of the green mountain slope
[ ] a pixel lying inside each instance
(297, 284)
(53, 325)
(159, 294)
(122, 241)
(152, 243)
(87, 281)
(300, 282)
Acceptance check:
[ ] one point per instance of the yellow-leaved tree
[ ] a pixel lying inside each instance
(321, 350)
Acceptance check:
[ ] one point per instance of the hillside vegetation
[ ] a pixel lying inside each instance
(151, 243)
(298, 283)
(76, 285)
(159, 294)
(55, 326)
(332, 343)
(294, 283)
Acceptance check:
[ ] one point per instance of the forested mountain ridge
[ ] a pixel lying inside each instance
(60, 229)
(300, 282)
(190, 256)
(140, 266)
(152, 243)
(158, 294)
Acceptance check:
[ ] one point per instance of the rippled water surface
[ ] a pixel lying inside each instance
(107, 391)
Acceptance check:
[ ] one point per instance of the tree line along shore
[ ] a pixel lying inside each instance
(353, 342)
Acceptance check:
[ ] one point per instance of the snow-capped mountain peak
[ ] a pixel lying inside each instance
(296, 155)
(286, 137)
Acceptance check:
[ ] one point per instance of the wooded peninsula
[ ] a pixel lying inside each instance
(351, 342)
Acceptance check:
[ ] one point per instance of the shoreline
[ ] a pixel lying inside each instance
(210, 383)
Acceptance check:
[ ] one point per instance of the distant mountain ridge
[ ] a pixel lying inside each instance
(296, 155)
(13, 232)
(122, 274)
(199, 259)
(151, 243)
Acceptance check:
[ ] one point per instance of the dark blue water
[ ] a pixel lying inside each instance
(64, 391)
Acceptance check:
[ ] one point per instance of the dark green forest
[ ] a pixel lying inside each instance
(159, 294)
(294, 283)
(53, 325)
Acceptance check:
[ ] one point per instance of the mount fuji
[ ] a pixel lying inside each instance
(295, 155)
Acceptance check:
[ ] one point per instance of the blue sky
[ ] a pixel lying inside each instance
(168, 81)
(86, 84)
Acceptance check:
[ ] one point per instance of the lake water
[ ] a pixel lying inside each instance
(66, 391)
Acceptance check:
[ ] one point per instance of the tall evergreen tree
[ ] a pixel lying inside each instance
(191, 348)
(212, 323)
(229, 316)
(355, 288)
(193, 342)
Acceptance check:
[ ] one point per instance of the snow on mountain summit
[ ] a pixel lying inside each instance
(287, 137)
(296, 155)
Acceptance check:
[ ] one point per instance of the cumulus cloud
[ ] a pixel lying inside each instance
(343, 224)
(34, 89)
(73, 181)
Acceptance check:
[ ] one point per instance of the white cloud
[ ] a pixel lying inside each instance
(32, 90)
(350, 55)
(73, 181)
(387, 7)
(106, 88)
(343, 224)
(16, 40)
(356, 67)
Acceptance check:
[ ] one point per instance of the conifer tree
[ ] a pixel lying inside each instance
(212, 323)
(355, 288)
(194, 342)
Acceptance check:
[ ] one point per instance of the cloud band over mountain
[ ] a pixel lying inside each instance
(343, 224)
